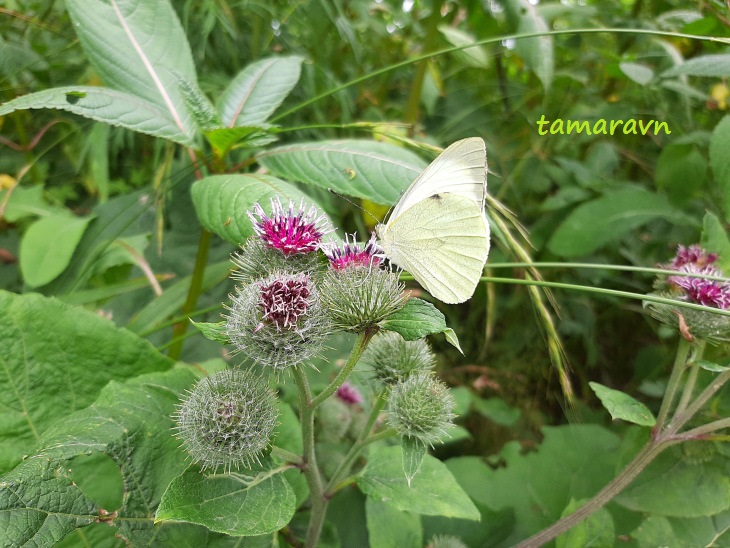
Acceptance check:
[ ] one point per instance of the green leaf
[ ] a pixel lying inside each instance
(608, 218)
(258, 90)
(666, 485)
(26, 202)
(712, 367)
(48, 245)
(213, 331)
(714, 239)
(497, 410)
(139, 47)
(452, 339)
(537, 52)
(221, 202)
(389, 527)
(366, 169)
(433, 491)
(45, 378)
(681, 171)
(702, 531)
(572, 462)
(413, 452)
(106, 105)
(719, 161)
(115, 221)
(131, 423)
(415, 320)
(641, 74)
(227, 505)
(656, 531)
(204, 113)
(474, 56)
(595, 532)
(27, 518)
(717, 65)
(222, 140)
(622, 406)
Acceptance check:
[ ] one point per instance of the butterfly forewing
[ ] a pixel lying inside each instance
(460, 169)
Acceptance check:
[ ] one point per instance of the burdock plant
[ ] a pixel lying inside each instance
(293, 292)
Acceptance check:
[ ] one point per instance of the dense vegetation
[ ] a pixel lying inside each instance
(123, 195)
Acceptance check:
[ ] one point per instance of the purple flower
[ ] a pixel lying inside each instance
(284, 300)
(695, 260)
(350, 254)
(349, 394)
(692, 255)
(291, 231)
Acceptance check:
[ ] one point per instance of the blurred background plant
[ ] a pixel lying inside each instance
(625, 199)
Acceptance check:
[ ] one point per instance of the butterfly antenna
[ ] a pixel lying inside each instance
(358, 206)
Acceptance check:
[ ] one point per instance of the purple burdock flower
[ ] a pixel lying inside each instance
(692, 255)
(349, 394)
(291, 231)
(284, 300)
(350, 254)
(695, 260)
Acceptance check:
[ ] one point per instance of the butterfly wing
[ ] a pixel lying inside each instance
(460, 169)
(443, 241)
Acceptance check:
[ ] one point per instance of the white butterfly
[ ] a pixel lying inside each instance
(438, 231)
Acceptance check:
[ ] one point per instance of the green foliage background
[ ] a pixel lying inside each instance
(97, 201)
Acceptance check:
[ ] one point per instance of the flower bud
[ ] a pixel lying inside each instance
(394, 359)
(227, 419)
(359, 297)
(421, 407)
(278, 321)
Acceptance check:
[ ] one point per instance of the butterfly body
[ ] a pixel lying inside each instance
(438, 231)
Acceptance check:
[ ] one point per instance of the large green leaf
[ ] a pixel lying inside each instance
(666, 485)
(258, 90)
(608, 218)
(139, 47)
(595, 532)
(129, 422)
(110, 106)
(55, 360)
(433, 491)
(47, 246)
(720, 161)
(717, 66)
(366, 169)
(228, 505)
(572, 462)
(389, 527)
(221, 201)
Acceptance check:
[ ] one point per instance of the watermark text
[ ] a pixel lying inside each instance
(600, 127)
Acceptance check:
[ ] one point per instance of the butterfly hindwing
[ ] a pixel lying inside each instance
(443, 241)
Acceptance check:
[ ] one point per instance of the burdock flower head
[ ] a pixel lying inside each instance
(350, 254)
(393, 359)
(421, 408)
(697, 290)
(357, 293)
(227, 419)
(278, 321)
(291, 231)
